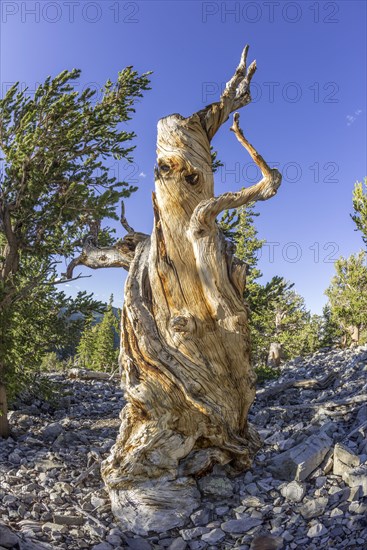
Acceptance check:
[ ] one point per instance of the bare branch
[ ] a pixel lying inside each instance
(63, 281)
(123, 219)
(236, 95)
(207, 211)
(256, 157)
(119, 255)
(237, 90)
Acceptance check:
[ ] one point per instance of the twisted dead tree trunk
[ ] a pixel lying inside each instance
(185, 335)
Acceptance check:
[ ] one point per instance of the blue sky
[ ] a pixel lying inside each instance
(308, 116)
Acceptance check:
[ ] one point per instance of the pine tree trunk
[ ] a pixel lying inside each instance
(4, 422)
(275, 354)
(354, 332)
(185, 335)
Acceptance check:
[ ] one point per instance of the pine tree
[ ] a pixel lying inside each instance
(360, 208)
(86, 347)
(56, 186)
(311, 335)
(331, 332)
(98, 346)
(277, 313)
(105, 353)
(239, 228)
(36, 327)
(347, 295)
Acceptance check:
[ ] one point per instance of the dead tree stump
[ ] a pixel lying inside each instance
(185, 335)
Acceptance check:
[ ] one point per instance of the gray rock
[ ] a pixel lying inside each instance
(314, 508)
(336, 512)
(197, 545)
(138, 544)
(252, 501)
(52, 431)
(214, 536)
(357, 478)
(248, 477)
(178, 544)
(216, 486)
(298, 463)
(97, 502)
(354, 493)
(7, 538)
(262, 418)
(54, 528)
(102, 546)
(200, 517)
(47, 465)
(221, 510)
(235, 526)
(320, 481)
(317, 530)
(337, 532)
(293, 491)
(266, 542)
(69, 520)
(62, 487)
(9, 499)
(36, 476)
(30, 545)
(115, 531)
(287, 536)
(189, 534)
(344, 460)
(252, 489)
(114, 540)
(14, 458)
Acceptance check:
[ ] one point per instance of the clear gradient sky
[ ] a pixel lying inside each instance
(308, 116)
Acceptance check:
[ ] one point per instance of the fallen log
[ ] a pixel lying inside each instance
(87, 374)
(314, 383)
(326, 404)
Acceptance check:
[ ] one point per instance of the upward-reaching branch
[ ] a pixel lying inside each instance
(235, 96)
(124, 221)
(207, 211)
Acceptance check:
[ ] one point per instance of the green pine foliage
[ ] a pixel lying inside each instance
(277, 312)
(216, 163)
(97, 348)
(106, 355)
(239, 229)
(51, 362)
(360, 208)
(55, 183)
(56, 187)
(331, 331)
(264, 373)
(347, 296)
(36, 327)
(86, 346)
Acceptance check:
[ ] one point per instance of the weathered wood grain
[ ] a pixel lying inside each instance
(185, 335)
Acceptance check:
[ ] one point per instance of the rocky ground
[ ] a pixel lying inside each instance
(307, 488)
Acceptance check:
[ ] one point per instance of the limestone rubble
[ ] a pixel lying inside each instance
(307, 488)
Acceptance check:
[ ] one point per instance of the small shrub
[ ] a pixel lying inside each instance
(38, 390)
(266, 373)
(51, 363)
